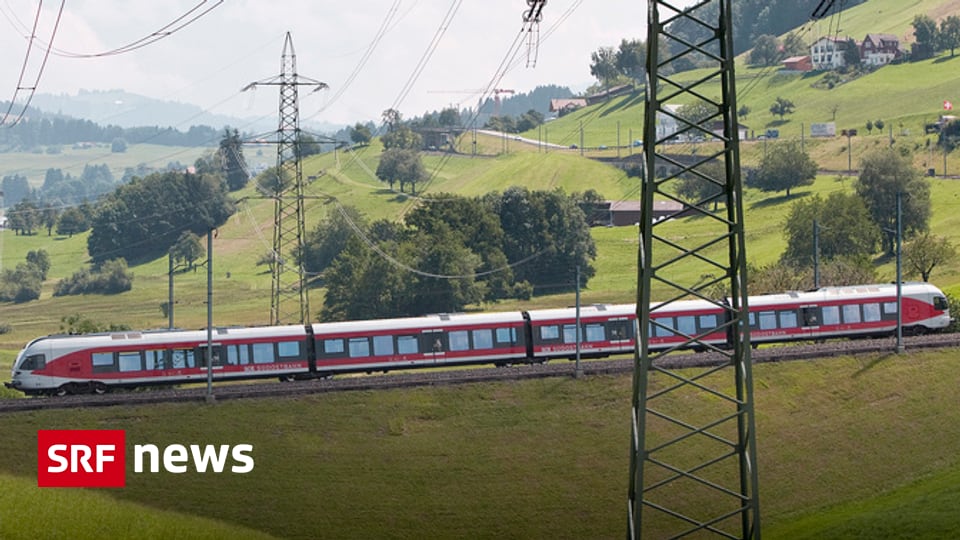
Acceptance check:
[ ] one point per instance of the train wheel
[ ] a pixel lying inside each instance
(99, 388)
(65, 390)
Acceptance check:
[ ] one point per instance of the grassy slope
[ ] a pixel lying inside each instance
(535, 459)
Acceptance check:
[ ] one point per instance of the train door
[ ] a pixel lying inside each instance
(621, 334)
(810, 321)
(434, 345)
(219, 356)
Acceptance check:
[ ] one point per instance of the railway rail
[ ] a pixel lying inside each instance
(410, 379)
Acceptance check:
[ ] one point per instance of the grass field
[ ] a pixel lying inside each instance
(847, 447)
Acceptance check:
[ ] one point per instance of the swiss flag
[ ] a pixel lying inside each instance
(947, 106)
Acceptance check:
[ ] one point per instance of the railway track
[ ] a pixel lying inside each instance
(408, 379)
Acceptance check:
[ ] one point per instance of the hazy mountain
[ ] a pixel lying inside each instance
(120, 108)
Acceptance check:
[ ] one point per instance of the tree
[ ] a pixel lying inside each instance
(766, 51)
(548, 232)
(529, 120)
(705, 187)
(72, 221)
(845, 229)
(25, 217)
(784, 167)
(631, 58)
(927, 37)
(118, 146)
(851, 55)
(40, 260)
(926, 252)
(950, 33)
(782, 107)
(360, 134)
(869, 126)
(794, 45)
(329, 238)
(603, 65)
(144, 218)
(15, 189)
(188, 249)
(401, 138)
(449, 117)
(697, 113)
(878, 123)
(232, 163)
(882, 175)
(743, 111)
(401, 165)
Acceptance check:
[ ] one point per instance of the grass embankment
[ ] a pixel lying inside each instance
(842, 443)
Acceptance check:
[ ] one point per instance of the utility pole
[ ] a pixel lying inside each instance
(289, 300)
(816, 255)
(698, 475)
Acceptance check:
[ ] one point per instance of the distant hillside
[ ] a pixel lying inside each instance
(120, 108)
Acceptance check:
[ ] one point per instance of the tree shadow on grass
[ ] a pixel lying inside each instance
(779, 199)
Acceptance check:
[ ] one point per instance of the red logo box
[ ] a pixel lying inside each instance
(81, 458)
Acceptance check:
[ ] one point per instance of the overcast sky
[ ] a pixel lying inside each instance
(208, 62)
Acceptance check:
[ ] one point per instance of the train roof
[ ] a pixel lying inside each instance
(824, 294)
(177, 336)
(426, 322)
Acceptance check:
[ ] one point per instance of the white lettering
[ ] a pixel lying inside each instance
(239, 455)
(102, 455)
(152, 451)
(80, 453)
(210, 455)
(52, 453)
(172, 455)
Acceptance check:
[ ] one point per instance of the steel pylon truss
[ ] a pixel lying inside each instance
(289, 300)
(693, 447)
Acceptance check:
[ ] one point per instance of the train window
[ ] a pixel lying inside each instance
(263, 353)
(890, 308)
(871, 312)
(619, 330)
(851, 313)
(407, 345)
(751, 319)
(788, 319)
(595, 332)
(382, 345)
(687, 324)
(238, 355)
(129, 361)
(570, 333)
(359, 347)
(459, 340)
(809, 315)
(33, 362)
(153, 359)
(549, 332)
(940, 303)
(768, 320)
(831, 314)
(664, 327)
(506, 336)
(288, 349)
(333, 346)
(482, 339)
(102, 362)
(708, 321)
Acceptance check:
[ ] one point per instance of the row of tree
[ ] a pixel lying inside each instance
(54, 130)
(450, 252)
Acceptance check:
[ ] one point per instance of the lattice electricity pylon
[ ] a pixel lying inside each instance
(289, 300)
(693, 460)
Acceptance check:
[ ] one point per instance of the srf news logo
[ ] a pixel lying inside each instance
(97, 458)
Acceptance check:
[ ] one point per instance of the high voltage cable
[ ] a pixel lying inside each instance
(26, 58)
(164, 31)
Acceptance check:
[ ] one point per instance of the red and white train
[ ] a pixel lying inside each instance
(98, 362)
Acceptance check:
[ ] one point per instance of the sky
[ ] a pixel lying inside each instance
(209, 61)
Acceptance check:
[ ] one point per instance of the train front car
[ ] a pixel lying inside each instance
(27, 372)
(96, 363)
(852, 311)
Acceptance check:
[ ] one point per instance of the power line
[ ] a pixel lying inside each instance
(26, 59)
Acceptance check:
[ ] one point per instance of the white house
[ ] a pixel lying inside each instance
(827, 53)
(879, 49)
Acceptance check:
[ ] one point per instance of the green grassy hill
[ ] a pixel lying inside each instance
(862, 447)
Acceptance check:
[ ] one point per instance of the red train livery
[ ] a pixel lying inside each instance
(99, 362)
